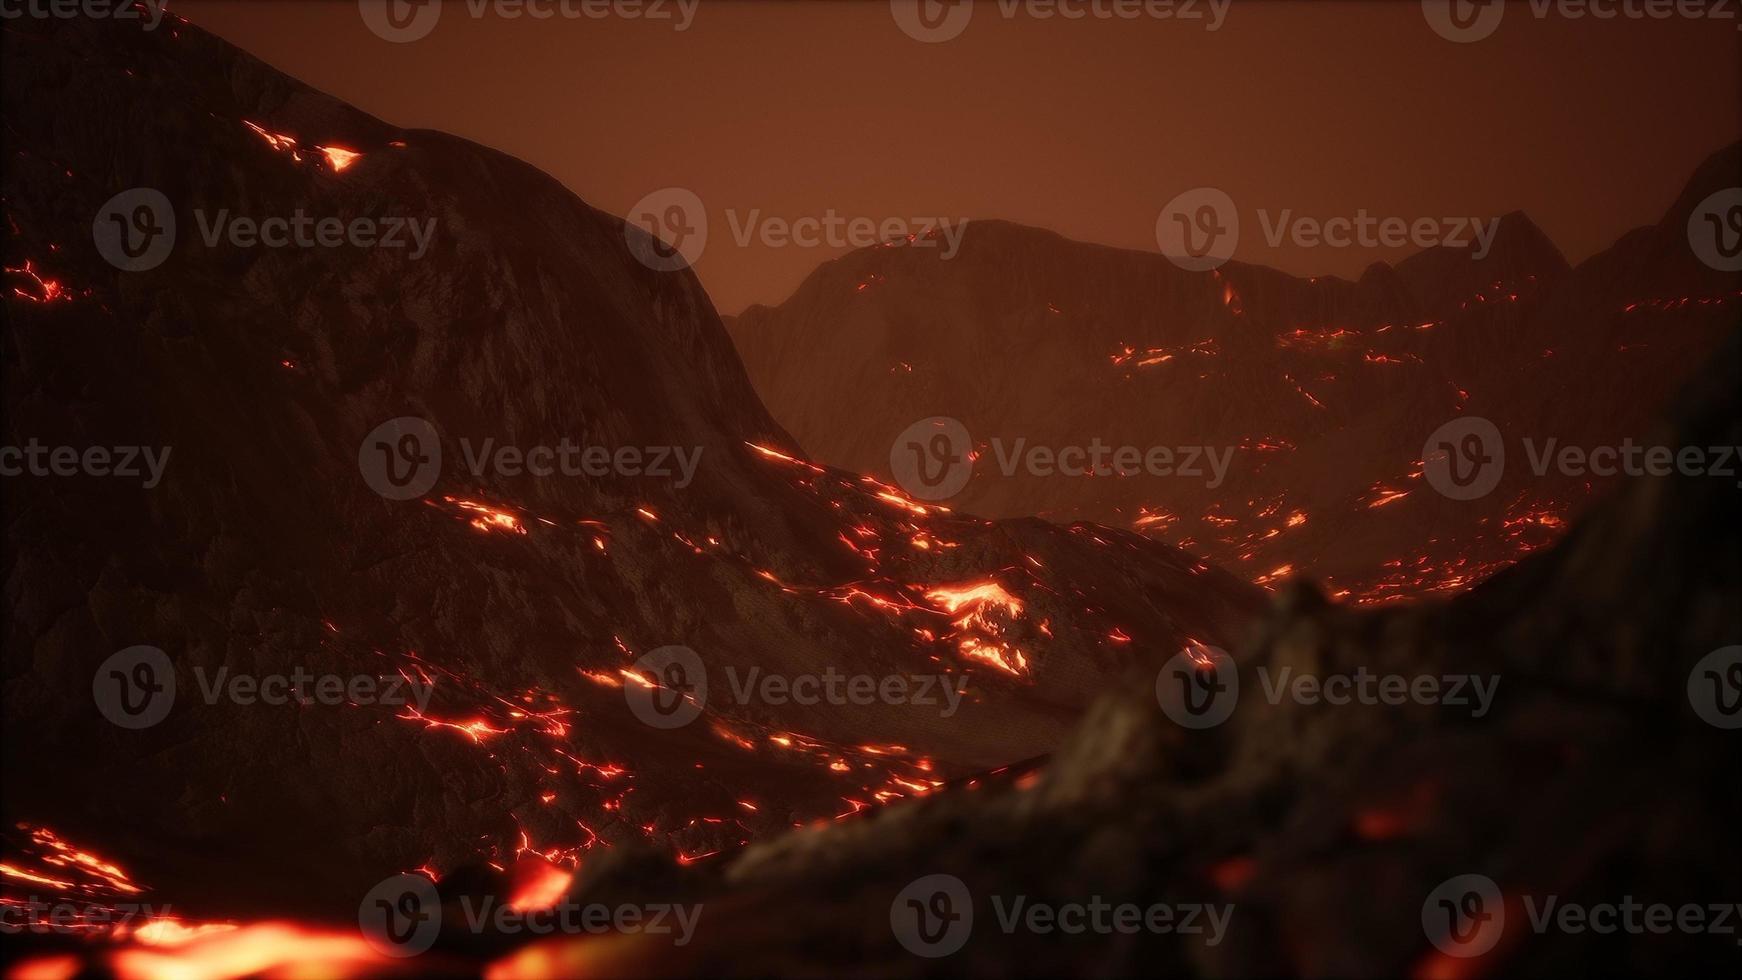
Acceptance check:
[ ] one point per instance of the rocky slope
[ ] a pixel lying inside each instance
(1597, 773)
(526, 602)
(1323, 832)
(1321, 393)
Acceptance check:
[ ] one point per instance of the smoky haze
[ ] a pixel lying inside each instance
(788, 110)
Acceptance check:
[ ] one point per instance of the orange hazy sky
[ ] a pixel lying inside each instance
(1086, 126)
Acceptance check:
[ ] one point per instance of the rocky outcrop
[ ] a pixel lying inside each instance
(521, 318)
(1322, 393)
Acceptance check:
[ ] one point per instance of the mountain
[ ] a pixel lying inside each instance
(1298, 836)
(1324, 832)
(509, 315)
(1321, 394)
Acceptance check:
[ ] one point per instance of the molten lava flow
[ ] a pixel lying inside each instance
(1322, 339)
(1276, 574)
(984, 614)
(174, 932)
(1661, 305)
(337, 158)
(278, 141)
(538, 884)
(1314, 402)
(255, 950)
(95, 871)
(65, 966)
(95, 896)
(1151, 356)
(1385, 495)
(784, 458)
(38, 288)
(486, 518)
(1156, 518)
(1230, 296)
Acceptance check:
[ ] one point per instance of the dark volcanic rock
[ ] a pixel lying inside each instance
(1590, 779)
(1324, 391)
(264, 550)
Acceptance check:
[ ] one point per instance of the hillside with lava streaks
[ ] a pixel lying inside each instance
(522, 603)
(1321, 393)
(1592, 776)
(1323, 827)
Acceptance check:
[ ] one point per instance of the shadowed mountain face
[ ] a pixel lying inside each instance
(1323, 833)
(1317, 397)
(378, 465)
(520, 604)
